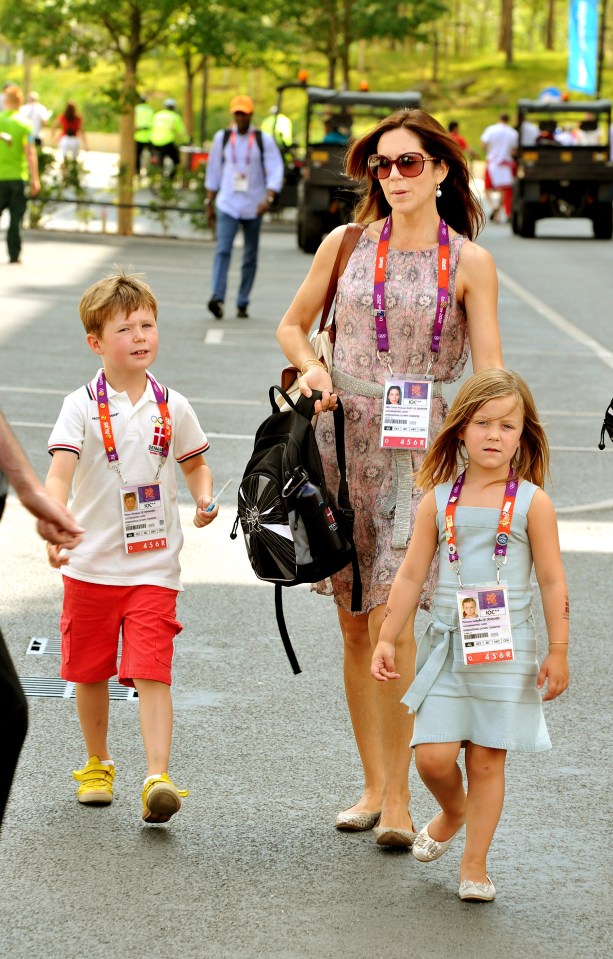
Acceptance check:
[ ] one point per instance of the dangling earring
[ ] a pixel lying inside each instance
(439, 192)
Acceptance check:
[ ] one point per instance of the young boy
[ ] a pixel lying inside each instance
(115, 443)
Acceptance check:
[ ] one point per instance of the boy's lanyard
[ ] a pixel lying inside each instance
(250, 143)
(442, 299)
(106, 427)
(504, 524)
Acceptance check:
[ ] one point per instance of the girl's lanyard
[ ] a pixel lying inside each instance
(106, 426)
(504, 524)
(240, 178)
(405, 424)
(484, 617)
(442, 299)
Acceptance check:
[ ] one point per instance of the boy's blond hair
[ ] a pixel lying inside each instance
(119, 293)
(446, 455)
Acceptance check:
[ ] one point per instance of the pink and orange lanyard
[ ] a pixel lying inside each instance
(504, 524)
(250, 143)
(442, 299)
(106, 427)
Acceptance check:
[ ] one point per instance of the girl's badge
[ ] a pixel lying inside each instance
(485, 624)
(407, 408)
(144, 522)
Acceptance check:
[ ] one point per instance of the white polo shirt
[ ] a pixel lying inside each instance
(96, 501)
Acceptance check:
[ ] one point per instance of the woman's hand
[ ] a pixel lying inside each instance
(316, 378)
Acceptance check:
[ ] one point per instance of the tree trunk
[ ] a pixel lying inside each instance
(435, 52)
(205, 96)
(331, 70)
(457, 33)
(332, 44)
(188, 101)
(346, 44)
(506, 31)
(125, 192)
(551, 23)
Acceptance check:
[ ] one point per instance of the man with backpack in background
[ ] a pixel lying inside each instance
(244, 175)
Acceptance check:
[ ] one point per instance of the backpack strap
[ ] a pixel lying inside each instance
(259, 139)
(344, 505)
(291, 655)
(351, 236)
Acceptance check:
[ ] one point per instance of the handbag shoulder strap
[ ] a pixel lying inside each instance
(351, 236)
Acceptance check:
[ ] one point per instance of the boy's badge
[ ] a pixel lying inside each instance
(144, 522)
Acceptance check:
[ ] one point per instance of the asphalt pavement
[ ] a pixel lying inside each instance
(252, 866)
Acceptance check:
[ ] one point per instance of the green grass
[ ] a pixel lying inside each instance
(473, 90)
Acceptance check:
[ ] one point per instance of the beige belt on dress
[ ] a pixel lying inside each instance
(398, 500)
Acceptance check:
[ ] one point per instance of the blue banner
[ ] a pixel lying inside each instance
(582, 45)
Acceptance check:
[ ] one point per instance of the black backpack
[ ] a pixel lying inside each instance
(293, 533)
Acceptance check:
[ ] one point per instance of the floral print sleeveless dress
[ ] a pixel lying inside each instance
(375, 475)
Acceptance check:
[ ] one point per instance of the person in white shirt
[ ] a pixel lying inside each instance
(122, 433)
(500, 143)
(244, 174)
(36, 114)
(528, 133)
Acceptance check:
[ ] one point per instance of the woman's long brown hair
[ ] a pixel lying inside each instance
(458, 205)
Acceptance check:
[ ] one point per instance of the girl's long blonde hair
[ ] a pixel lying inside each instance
(445, 457)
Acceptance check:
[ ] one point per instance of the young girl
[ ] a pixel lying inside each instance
(477, 679)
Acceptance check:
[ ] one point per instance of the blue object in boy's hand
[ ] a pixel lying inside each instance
(214, 502)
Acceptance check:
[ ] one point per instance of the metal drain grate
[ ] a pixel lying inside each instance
(41, 645)
(44, 646)
(60, 689)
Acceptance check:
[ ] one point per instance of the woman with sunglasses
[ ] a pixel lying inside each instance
(417, 294)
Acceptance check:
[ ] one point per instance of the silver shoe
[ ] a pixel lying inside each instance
(427, 849)
(477, 891)
(400, 838)
(357, 822)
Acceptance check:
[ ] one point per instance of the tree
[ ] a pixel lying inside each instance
(506, 30)
(85, 29)
(208, 32)
(331, 27)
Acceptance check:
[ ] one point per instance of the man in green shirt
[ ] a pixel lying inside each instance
(18, 162)
(143, 122)
(168, 133)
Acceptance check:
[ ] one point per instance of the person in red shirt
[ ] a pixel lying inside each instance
(70, 131)
(462, 143)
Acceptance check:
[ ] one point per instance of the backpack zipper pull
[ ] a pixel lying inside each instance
(234, 528)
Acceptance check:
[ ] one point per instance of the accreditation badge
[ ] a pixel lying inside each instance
(407, 408)
(144, 522)
(239, 182)
(485, 624)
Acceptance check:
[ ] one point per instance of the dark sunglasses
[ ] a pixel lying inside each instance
(408, 164)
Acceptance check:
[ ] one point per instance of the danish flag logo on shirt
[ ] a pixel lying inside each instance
(159, 435)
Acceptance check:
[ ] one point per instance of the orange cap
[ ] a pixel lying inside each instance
(241, 105)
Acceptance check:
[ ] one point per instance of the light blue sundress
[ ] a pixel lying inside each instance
(498, 704)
